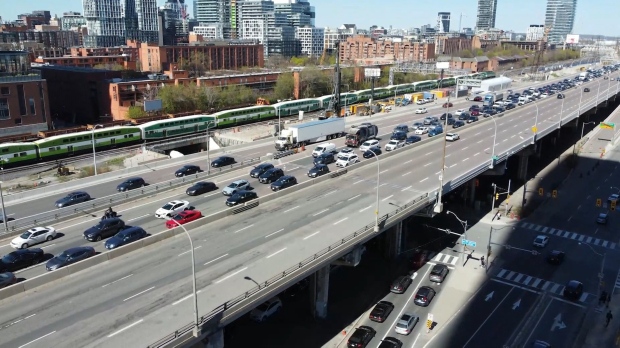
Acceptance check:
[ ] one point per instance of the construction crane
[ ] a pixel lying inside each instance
(540, 51)
(183, 14)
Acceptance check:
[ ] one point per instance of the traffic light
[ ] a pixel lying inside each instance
(613, 205)
(541, 191)
(554, 193)
(429, 324)
(598, 202)
(496, 196)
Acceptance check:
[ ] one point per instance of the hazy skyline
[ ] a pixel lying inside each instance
(593, 17)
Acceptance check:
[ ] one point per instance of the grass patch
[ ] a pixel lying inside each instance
(116, 162)
(86, 172)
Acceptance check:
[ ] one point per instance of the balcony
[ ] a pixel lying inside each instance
(32, 75)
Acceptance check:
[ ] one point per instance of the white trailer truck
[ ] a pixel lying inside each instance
(311, 132)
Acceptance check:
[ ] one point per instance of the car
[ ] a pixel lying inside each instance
(222, 161)
(236, 186)
(200, 188)
(369, 143)
(435, 131)
(464, 116)
(509, 106)
(318, 170)
(555, 257)
(573, 290)
(187, 169)
(266, 309)
(416, 125)
(127, 235)
(7, 279)
(400, 285)
(421, 111)
(344, 151)
(586, 89)
(458, 124)
(406, 323)
(69, 256)
(412, 139)
(472, 119)
(271, 175)
(613, 198)
(398, 136)
(394, 144)
(421, 130)
(541, 241)
(346, 160)
(458, 112)
(447, 105)
(390, 342)
(427, 120)
(361, 336)
(421, 101)
(445, 115)
(400, 128)
(372, 152)
(475, 112)
(381, 311)
(438, 273)
(72, 198)
(33, 236)
(19, 259)
(602, 218)
(284, 182)
(104, 229)
(241, 197)
(324, 158)
(171, 208)
(260, 169)
(477, 98)
(452, 137)
(183, 217)
(560, 96)
(424, 296)
(130, 184)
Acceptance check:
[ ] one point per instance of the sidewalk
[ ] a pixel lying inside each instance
(597, 334)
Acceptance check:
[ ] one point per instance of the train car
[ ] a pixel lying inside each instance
(425, 85)
(74, 143)
(14, 154)
(447, 82)
(401, 89)
(487, 75)
(235, 117)
(289, 108)
(345, 99)
(173, 127)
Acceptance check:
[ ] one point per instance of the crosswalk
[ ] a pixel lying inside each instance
(537, 283)
(570, 235)
(445, 258)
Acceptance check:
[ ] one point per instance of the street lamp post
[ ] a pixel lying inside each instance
(4, 217)
(598, 91)
(208, 148)
(579, 108)
(191, 245)
(377, 202)
(601, 274)
(561, 113)
(583, 126)
(494, 141)
(94, 157)
(439, 206)
(464, 224)
(535, 125)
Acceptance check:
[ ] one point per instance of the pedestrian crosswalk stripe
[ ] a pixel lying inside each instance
(581, 238)
(518, 278)
(547, 283)
(545, 229)
(501, 273)
(559, 233)
(605, 243)
(568, 234)
(537, 228)
(527, 280)
(535, 283)
(445, 258)
(573, 236)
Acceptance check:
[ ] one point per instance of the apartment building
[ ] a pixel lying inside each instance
(311, 40)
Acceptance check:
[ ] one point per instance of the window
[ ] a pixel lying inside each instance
(4, 109)
(5, 91)
(33, 110)
(18, 121)
(21, 100)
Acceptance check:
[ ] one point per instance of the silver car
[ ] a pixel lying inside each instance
(34, 236)
(235, 186)
(406, 323)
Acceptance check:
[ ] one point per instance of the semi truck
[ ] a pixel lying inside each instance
(491, 98)
(311, 132)
(357, 135)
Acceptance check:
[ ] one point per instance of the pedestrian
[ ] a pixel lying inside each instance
(482, 261)
(608, 299)
(602, 298)
(609, 317)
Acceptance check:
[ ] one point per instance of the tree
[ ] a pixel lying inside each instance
(196, 64)
(284, 86)
(110, 66)
(136, 112)
(299, 61)
(314, 83)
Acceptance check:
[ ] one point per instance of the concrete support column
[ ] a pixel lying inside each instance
(472, 192)
(319, 292)
(538, 147)
(523, 161)
(394, 240)
(216, 340)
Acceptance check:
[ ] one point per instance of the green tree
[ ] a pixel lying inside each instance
(284, 86)
(299, 61)
(315, 83)
(196, 64)
(110, 66)
(136, 112)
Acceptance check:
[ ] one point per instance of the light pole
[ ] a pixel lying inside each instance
(583, 125)
(580, 98)
(598, 91)
(345, 99)
(94, 157)
(464, 224)
(535, 125)
(4, 217)
(208, 147)
(494, 140)
(377, 203)
(191, 245)
(601, 274)
(561, 112)
(439, 206)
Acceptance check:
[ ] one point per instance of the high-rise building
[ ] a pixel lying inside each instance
(112, 22)
(71, 20)
(214, 12)
(560, 17)
(443, 22)
(298, 12)
(311, 40)
(535, 32)
(485, 18)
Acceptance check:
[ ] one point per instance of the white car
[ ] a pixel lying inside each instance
(452, 137)
(421, 111)
(394, 144)
(346, 160)
(541, 241)
(421, 101)
(345, 151)
(266, 309)
(368, 144)
(406, 323)
(34, 236)
(171, 208)
(459, 112)
(421, 130)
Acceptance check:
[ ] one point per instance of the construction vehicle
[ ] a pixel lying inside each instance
(357, 135)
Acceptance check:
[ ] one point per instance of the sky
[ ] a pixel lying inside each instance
(594, 17)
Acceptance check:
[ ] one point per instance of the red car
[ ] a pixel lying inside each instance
(448, 105)
(183, 218)
(478, 98)
(475, 112)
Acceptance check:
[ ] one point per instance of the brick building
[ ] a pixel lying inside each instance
(363, 48)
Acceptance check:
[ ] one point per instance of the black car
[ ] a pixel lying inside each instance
(458, 124)
(72, 198)
(444, 115)
(104, 229)
(401, 128)
(464, 116)
(260, 169)
(241, 197)
(318, 170)
(324, 158)
(381, 311)
(130, 184)
(586, 89)
(391, 342)
(560, 96)
(372, 152)
(400, 285)
(398, 136)
(499, 110)
(19, 259)
(200, 188)
(573, 290)
(127, 235)
(555, 257)
(7, 279)
(187, 169)
(472, 119)
(271, 175)
(438, 273)
(361, 336)
(424, 296)
(509, 106)
(70, 256)
(412, 139)
(284, 182)
(222, 161)
(474, 107)
(450, 121)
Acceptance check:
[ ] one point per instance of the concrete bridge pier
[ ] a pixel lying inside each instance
(472, 192)
(319, 291)
(215, 340)
(524, 157)
(394, 240)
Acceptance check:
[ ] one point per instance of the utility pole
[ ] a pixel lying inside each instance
(337, 81)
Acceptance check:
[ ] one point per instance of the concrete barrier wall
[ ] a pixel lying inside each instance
(12, 290)
(84, 264)
(45, 278)
(114, 253)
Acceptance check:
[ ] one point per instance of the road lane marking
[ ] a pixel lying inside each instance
(385, 183)
(245, 228)
(354, 197)
(293, 208)
(368, 207)
(407, 173)
(383, 171)
(47, 246)
(138, 294)
(19, 320)
(230, 275)
(479, 142)
(489, 317)
(428, 164)
(185, 252)
(139, 217)
(118, 280)
(406, 188)
(312, 235)
(271, 234)
(33, 341)
(423, 180)
(477, 153)
(185, 298)
(407, 162)
(217, 258)
(465, 148)
(357, 182)
(386, 198)
(321, 212)
(276, 253)
(339, 221)
(465, 160)
(454, 165)
(125, 328)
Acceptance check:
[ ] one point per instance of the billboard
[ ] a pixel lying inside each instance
(443, 65)
(372, 72)
(152, 105)
(572, 39)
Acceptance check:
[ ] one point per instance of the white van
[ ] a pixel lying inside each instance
(324, 148)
